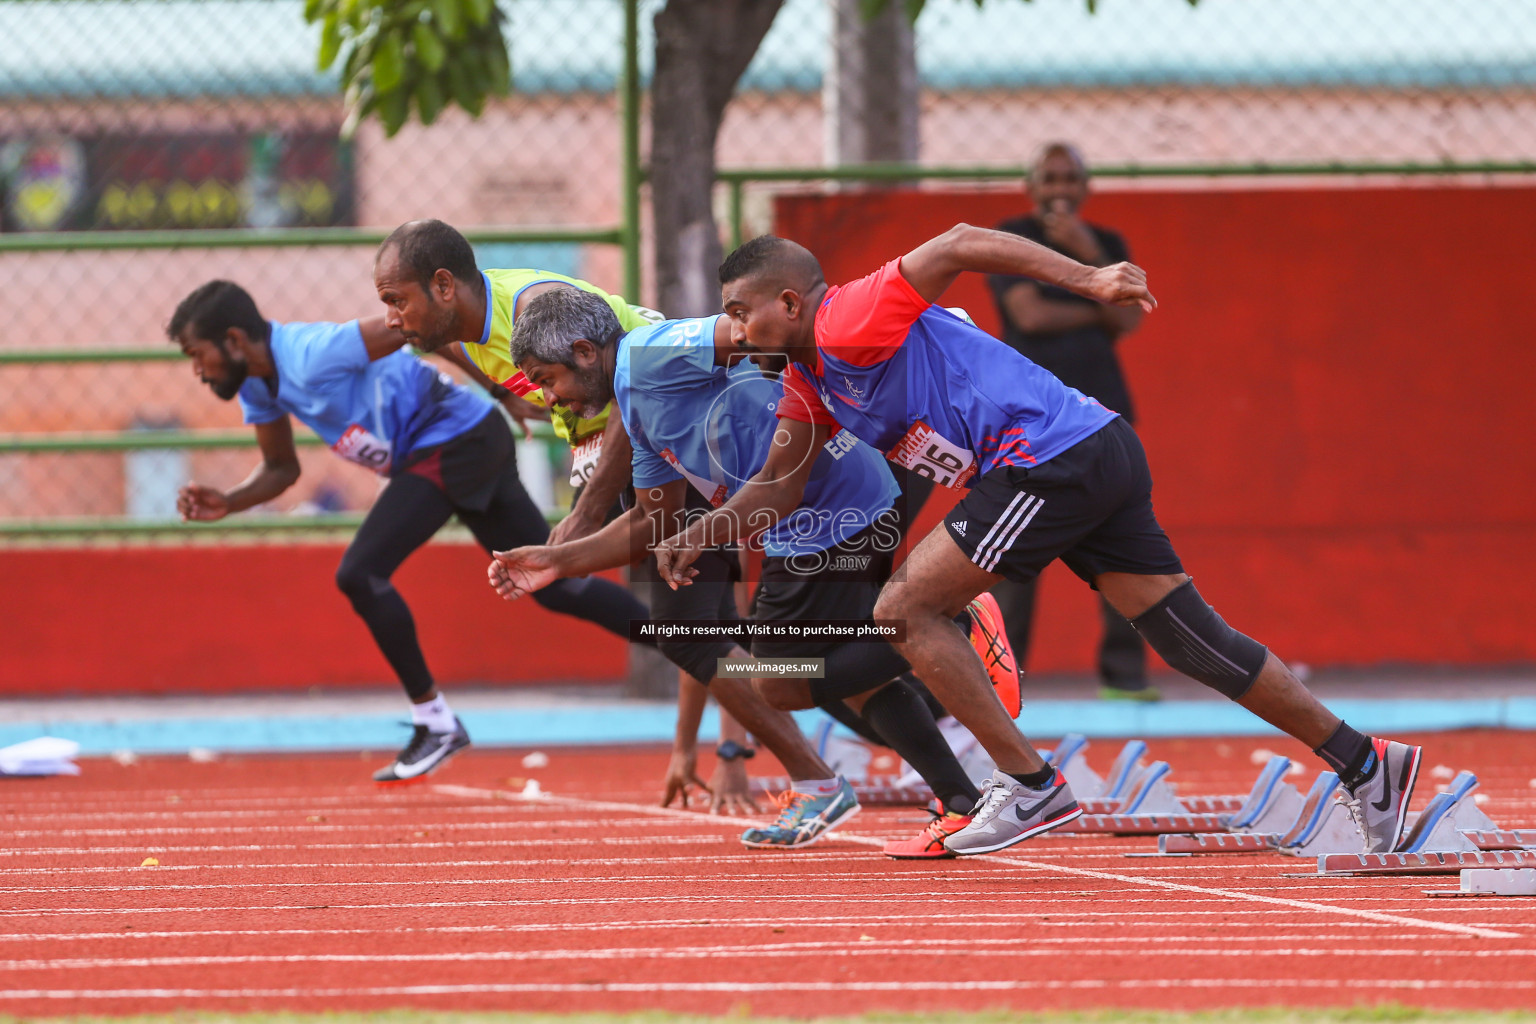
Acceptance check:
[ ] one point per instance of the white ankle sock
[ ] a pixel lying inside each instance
(435, 714)
(818, 787)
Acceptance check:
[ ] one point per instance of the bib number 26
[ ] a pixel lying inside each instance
(928, 453)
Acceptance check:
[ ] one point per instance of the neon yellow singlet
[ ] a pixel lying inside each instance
(493, 354)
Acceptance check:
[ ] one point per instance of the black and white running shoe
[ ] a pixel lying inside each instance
(426, 751)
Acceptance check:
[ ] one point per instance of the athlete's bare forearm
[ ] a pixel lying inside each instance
(266, 482)
(279, 468)
(622, 542)
(933, 266)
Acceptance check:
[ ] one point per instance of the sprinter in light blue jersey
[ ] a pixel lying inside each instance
(445, 450)
(699, 416)
(690, 418)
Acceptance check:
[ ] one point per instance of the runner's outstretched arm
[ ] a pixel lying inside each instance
(278, 471)
(933, 266)
(622, 542)
(774, 492)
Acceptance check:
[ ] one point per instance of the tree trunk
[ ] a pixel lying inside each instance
(702, 48)
(869, 92)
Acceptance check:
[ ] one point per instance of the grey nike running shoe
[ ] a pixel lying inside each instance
(424, 753)
(1010, 812)
(1379, 805)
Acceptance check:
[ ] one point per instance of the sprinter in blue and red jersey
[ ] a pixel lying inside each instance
(1047, 473)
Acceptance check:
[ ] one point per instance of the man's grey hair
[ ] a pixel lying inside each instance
(552, 323)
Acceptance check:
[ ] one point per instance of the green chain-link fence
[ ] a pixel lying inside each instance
(125, 124)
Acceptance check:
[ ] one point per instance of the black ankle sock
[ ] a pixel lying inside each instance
(1348, 753)
(897, 713)
(1035, 780)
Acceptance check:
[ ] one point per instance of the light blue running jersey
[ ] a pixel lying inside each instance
(375, 413)
(689, 419)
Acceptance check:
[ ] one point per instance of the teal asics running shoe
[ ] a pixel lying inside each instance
(804, 819)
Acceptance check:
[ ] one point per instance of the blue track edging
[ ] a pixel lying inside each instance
(620, 723)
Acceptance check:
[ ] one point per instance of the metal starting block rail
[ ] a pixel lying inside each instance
(1422, 863)
(1152, 808)
(1502, 838)
(1492, 882)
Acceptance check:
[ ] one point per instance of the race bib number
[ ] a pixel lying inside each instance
(927, 453)
(359, 446)
(584, 459)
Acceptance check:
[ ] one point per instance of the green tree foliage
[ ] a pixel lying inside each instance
(397, 55)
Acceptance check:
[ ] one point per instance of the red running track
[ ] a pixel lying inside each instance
(292, 882)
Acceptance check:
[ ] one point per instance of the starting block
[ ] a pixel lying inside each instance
(1493, 882)
(1097, 795)
(1150, 807)
(1323, 825)
(1438, 843)
(1270, 808)
(1106, 795)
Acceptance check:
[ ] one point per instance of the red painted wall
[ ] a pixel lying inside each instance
(179, 620)
(1338, 395)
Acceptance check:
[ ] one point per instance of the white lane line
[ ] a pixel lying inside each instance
(776, 987)
(1029, 935)
(944, 898)
(730, 880)
(297, 810)
(224, 830)
(777, 950)
(543, 844)
(1109, 876)
(571, 879)
(369, 865)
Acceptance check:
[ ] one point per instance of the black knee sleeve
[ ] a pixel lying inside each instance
(1189, 635)
(698, 659)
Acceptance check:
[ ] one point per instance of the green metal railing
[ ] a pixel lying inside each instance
(625, 235)
(736, 181)
(71, 527)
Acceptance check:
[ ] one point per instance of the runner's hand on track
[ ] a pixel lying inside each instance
(674, 561)
(682, 772)
(197, 503)
(522, 571)
(1121, 284)
(730, 791)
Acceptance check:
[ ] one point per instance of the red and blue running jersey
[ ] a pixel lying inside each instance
(930, 389)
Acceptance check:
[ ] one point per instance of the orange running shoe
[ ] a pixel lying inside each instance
(991, 642)
(929, 843)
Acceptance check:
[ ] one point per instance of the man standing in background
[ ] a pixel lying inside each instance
(1074, 338)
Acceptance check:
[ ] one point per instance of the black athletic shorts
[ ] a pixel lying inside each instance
(1090, 506)
(711, 597)
(839, 583)
(471, 468)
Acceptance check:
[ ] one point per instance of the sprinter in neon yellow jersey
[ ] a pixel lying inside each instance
(466, 324)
